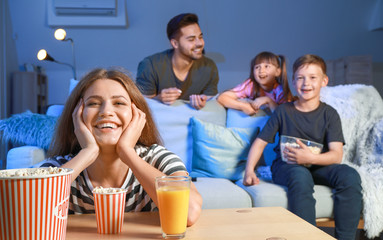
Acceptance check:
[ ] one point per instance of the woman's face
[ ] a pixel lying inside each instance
(107, 110)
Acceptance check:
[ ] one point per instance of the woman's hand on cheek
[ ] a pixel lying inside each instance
(133, 131)
(83, 134)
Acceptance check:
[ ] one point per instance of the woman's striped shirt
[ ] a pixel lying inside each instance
(81, 197)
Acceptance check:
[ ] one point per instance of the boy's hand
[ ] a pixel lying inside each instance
(301, 156)
(250, 179)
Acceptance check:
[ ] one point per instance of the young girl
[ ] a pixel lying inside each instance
(107, 136)
(267, 85)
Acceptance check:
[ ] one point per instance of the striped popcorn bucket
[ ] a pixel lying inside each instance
(34, 207)
(109, 208)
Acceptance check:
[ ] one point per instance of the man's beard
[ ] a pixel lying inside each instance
(190, 54)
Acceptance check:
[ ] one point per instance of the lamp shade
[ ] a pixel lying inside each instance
(60, 34)
(43, 55)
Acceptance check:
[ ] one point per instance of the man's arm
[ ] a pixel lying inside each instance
(147, 83)
(146, 80)
(212, 86)
(198, 101)
(167, 96)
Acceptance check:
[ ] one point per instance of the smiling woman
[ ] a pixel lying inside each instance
(106, 134)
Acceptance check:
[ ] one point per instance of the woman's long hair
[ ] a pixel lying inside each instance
(65, 141)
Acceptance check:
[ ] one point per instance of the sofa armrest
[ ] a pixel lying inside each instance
(24, 157)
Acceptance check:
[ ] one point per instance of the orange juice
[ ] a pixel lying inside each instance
(173, 205)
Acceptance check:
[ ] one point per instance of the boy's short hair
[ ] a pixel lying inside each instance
(309, 59)
(179, 21)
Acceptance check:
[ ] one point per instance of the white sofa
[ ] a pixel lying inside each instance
(184, 131)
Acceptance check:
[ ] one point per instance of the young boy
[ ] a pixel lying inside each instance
(309, 118)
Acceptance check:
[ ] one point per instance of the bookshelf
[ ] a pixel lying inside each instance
(350, 70)
(29, 91)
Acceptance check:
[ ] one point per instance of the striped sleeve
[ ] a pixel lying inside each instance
(56, 161)
(162, 159)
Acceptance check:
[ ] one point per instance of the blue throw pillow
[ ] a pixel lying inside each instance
(236, 118)
(218, 151)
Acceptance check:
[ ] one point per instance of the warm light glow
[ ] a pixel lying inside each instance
(60, 34)
(42, 54)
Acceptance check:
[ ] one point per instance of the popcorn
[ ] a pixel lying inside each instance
(108, 190)
(315, 150)
(47, 213)
(32, 172)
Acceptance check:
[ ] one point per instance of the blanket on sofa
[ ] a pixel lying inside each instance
(28, 129)
(359, 107)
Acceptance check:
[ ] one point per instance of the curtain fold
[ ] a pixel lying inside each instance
(8, 64)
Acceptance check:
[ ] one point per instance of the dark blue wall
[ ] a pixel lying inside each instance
(234, 32)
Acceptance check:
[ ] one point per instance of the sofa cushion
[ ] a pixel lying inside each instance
(24, 157)
(55, 110)
(218, 151)
(236, 118)
(267, 194)
(221, 193)
(173, 123)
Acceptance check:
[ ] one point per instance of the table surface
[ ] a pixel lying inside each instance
(231, 223)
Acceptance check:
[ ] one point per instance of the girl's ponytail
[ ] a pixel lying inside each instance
(282, 80)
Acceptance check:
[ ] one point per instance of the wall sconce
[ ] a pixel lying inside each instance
(60, 34)
(43, 55)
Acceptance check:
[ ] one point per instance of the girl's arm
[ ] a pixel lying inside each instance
(255, 153)
(259, 101)
(229, 99)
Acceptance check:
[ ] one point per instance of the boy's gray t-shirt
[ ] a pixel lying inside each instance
(155, 73)
(321, 125)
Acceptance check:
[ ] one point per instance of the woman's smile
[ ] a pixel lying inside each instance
(107, 110)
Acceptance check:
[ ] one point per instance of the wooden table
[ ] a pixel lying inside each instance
(245, 223)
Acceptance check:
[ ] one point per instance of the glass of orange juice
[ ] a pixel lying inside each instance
(173, 200)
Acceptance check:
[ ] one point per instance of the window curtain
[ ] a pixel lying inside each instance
(8, 58)
(8, 64)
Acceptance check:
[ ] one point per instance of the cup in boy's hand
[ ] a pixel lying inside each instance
(109, 205)
(288, 141)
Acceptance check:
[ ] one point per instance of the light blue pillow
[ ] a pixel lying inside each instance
(218, 151)
(236, 118)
